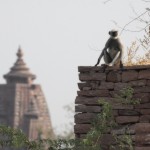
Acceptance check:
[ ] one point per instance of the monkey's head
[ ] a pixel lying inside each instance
(113, 33)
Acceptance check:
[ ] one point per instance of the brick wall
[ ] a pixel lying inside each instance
(97, 83)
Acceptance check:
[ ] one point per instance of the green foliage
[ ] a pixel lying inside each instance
(126, 96)
(100, 126)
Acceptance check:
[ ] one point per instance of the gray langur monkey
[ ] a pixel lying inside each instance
(113, 51)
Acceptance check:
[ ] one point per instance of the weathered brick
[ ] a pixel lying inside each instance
(87, 100)
(106, 85)
(107, 139)
(114, 93)
(127, 119)
(144, 74)
(92, 76)
(143, 97)
(82, 85)
(145, 89)
(141, 139)
(84, 68)
(90, 69)
(87, 88)
(82, 128)
(119, 86)
(148, 82)
(145, 111)
(83, 118)
(142, 106)
(102, 93)
(137, 83)
(92, 100)
(123, 130)
(121, 106)
(142, 148)
(135, 67)
(128, 112)
(95, 84)
(129, 76)
(84, 108)
(145, 118)
(113, 77)
(115, 113)
(142, 128)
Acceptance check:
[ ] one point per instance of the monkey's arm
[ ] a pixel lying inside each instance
(121, 57)
(100, 57)
(105, 49)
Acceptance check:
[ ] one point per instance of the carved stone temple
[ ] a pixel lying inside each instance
(22, 103)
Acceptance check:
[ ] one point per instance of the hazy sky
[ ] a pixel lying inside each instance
(57, 36)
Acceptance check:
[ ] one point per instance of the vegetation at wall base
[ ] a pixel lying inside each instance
(104, 123)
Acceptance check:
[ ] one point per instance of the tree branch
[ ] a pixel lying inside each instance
(132, 21)
(146, 1)
(106, 1)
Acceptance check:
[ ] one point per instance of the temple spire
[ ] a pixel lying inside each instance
(19, 53)
(19, 73)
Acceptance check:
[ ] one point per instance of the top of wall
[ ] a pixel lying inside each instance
(101, 68)
(113, 74)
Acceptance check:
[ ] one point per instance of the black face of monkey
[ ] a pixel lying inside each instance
(113, 33)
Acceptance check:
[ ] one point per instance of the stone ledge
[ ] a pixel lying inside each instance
(100, 68)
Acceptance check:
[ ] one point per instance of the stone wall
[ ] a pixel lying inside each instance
(99, 83)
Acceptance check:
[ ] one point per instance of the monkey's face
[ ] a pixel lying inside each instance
(113, 33)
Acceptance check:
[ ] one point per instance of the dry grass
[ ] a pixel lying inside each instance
(139, 54)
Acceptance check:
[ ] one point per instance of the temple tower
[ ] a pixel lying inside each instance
(22, 103)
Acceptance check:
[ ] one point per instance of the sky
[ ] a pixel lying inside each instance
(56, 37)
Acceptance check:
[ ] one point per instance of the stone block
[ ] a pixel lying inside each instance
(127, 112)
(142, 148)
(121, 106)
(148, 82)
(84, 118)
(145, 118)
(82, 128)
(107, 139)
(145, 89)
(143, 106)
(124, 130)
(119, 86)
(84, 108)
(101, 93)
(87, 100)
(142, 139)
(85, 69)
(127, 119)
(144, 74)
(106, 85)
(80, 136)
(143, 97)
(82, 85)
(87, 88)
(113, 76)
(114, 93)
(137, 83)
(129, 76)
(94, 100)
(115, 113)
(142, 128)
(92, 76)
(95, 84)
(145, 111)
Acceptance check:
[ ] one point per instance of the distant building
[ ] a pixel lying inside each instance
(22, 103)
